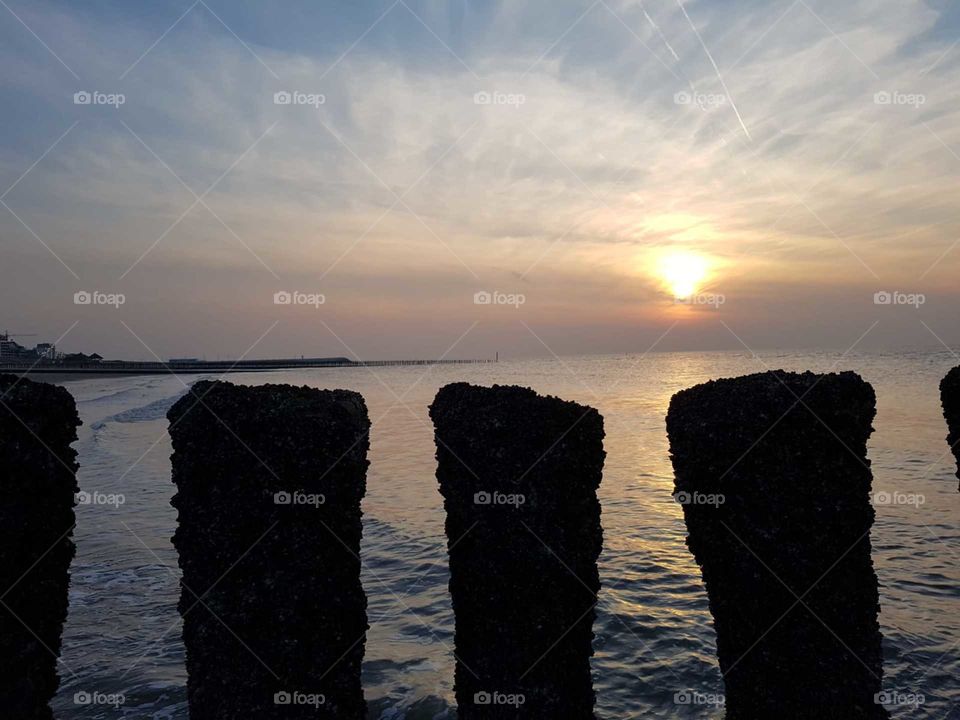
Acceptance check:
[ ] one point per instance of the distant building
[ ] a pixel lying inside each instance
(12, 351)
(9, 350)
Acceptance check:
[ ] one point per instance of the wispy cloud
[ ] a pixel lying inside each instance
(790, 142)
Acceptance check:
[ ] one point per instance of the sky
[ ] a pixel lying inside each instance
(423, 179)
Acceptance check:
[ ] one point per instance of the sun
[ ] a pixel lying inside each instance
(683, 273)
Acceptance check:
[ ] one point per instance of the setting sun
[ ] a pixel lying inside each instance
(683, 273)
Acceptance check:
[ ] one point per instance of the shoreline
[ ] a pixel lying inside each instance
(59, 377)
(141, 369)
(111, 369)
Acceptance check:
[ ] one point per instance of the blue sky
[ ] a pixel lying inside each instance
(801, 156)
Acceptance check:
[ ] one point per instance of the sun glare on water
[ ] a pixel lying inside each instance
(683, 274)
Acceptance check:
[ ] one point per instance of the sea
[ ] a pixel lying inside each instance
(655, 642)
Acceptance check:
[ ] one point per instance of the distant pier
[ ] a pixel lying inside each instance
(125, 367)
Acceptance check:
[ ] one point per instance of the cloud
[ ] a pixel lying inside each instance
(559, 147)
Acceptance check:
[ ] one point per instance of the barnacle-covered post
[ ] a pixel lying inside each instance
(269, 483)
(38, 423)
(773, 474)
(519, 475)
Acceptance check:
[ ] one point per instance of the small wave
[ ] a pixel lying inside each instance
(115, 395)
(156, 410)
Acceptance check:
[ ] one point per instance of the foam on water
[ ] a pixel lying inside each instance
(156, 410)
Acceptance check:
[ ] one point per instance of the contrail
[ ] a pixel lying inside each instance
(659, 32)
(716, 69)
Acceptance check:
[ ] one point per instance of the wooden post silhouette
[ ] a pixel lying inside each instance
(269, 483)
(519, 475)
(773, 475)
(950, 394)
(38, 422)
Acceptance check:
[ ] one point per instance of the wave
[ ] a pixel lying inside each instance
(115, 395)
(156, 410)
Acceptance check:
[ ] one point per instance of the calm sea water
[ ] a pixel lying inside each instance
(654, 632)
